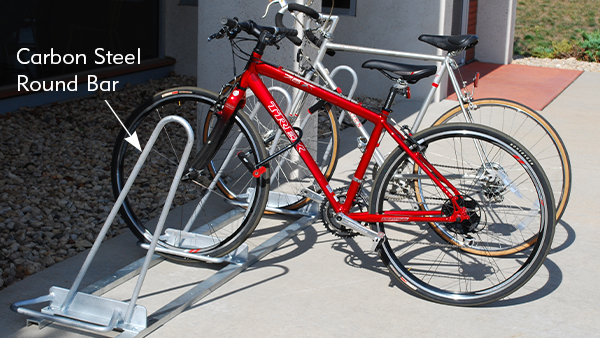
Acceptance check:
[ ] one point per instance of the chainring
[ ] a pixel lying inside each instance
(328, 214)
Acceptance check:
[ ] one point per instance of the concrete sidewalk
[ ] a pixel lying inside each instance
(319, 285)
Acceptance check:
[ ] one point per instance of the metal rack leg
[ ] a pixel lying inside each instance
(177, 306)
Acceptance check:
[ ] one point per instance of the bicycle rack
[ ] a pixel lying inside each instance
(89, 311)
(352, 88)
(183, 302)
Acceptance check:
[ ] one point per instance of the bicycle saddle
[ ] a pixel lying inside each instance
(410, 73)
(450, 43)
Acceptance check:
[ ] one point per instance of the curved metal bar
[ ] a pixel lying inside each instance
(61, 310)
(354, 78)
(18, 308)
(168, 202)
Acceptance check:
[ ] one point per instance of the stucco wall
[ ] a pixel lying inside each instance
(394, 25)
(181, 35)
(495, 28)
(386, 24)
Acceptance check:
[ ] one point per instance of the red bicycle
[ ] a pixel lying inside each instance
(448, 211)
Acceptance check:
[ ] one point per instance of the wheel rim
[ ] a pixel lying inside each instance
(437, 268)
(145, 199)
(533, 132)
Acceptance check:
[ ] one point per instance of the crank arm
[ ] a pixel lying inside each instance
(346, 221)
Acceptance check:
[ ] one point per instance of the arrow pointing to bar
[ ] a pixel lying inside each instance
(133, 139)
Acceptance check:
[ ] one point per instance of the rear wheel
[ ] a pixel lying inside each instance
(476, 261)
(221, 224)
(533, 131)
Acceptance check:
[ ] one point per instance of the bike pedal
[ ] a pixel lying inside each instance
(312, 195)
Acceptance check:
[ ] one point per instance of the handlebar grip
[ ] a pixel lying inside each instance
(279, 23)
(288, 32)
(314, 39)
(303, 9)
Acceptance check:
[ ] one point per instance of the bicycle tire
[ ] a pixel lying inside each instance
(445, 271)
(289, 174)
(530, 130)
(146, 196)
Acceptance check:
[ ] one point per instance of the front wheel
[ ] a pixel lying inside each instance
(219, 224)
(507, 196)
(289, 174)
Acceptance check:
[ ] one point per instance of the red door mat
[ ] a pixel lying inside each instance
(532, 86)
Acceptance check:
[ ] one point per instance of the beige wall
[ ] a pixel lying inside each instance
(390, 24)
(496, 29)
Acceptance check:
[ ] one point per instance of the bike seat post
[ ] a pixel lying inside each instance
(398, 87)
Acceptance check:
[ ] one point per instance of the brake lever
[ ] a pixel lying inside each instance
(218, 35)
(214, 36)
(276, 39)
(269, 6)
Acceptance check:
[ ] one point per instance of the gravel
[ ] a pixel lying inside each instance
(55, 190)
(570, 63)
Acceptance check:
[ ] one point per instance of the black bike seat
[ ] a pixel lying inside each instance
(410, 73)
(450, 43)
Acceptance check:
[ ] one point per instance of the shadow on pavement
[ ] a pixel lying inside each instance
(355, 257)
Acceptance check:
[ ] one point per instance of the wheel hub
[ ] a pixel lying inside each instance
(466, 226)
(492, 184)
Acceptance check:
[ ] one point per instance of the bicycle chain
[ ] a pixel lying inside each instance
(454, 167)
(404, 199)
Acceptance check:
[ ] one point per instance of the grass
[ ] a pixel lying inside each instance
(558, 28)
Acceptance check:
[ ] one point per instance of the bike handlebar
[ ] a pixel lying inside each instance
(229, 22)
(294, 7)
(304, 9)
(279, 23)
(297, 8)
(232, 27)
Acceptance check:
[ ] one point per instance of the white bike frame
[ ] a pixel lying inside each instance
(447, 62)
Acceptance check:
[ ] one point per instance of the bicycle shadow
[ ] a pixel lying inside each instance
(294, 247)
(550, 280)
(569, 237)
(357, 258)
(555, 275)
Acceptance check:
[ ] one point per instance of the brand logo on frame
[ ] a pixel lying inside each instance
(394, 219)
(299, 82)
(300, 147)
(283, 122)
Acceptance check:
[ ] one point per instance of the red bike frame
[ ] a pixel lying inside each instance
(250, 79)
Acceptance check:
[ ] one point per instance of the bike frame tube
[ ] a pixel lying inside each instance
(250, 79)
(443, 68)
